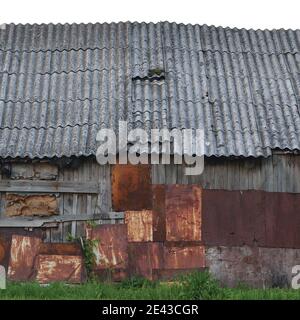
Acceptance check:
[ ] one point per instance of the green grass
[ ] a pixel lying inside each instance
(191, 287)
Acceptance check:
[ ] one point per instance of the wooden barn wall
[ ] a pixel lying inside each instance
(81, 205)
(279, 173)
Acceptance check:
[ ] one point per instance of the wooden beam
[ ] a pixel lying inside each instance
(48, 186)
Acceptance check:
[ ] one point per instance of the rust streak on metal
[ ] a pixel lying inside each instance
(66, 249)
(51, 268)
(183, 213)
(22, 257)
(131, 187)
(139, 225)
(111, 250)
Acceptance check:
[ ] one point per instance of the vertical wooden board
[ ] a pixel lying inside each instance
(183, 213)
(111, 249)
(131, 187)
(159, 214)
(23, 253)
(139, 225)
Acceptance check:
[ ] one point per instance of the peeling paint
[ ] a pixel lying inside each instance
(139, 225)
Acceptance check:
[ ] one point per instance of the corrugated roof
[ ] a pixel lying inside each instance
(59, 84)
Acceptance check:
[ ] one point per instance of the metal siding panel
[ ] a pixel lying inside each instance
(129, 183)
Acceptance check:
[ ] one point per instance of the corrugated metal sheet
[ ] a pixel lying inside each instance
(60, 83)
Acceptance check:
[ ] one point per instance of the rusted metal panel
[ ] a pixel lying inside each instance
(159, 214)
(66, 249)
(23, 252)
(282, 219)
(143, 257)
(131, 187)
(139, 225)
(254, 218)
(111, 250)
(183, 213)
(187, 257)
(31, 205)
(52, 268)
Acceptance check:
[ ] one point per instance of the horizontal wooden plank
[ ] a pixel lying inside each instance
(51, 222)
(49, 186)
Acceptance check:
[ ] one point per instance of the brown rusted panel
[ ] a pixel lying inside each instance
(254, 218)
(6, 236)
(111, 250)
(23, 253)
(139, 225)
(188, 257)
(159, 214)
(131, 187)
(53, 268)
(31, 205)
(282, 219)
(143, 257)
(183, 213)
(66, 249)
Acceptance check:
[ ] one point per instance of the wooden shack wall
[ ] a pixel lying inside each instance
(279, 173)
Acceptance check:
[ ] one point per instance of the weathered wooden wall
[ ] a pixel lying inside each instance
(279, 173)
(75, 186)
(72, 187)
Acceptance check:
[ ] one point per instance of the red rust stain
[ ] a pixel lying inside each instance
(139, 225)
(183, 213)
(51, 268)
(22, 257)
(111, 250)
(2, 252)
(131, 187)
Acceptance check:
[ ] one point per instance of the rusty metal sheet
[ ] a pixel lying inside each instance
(143, 257)
(139, 225)
(66, 249)
(111, 250)
(53, 268)
(5, 240)
(23, 252)
(131, 187)
(31, 205)
(159, 214)
(254, 218)
(183, 213)
(188, 257)
(282, 219)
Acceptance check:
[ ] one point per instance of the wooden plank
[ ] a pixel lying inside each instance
(48, 186)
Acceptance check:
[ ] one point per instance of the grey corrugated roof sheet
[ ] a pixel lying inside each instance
(59, 84)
